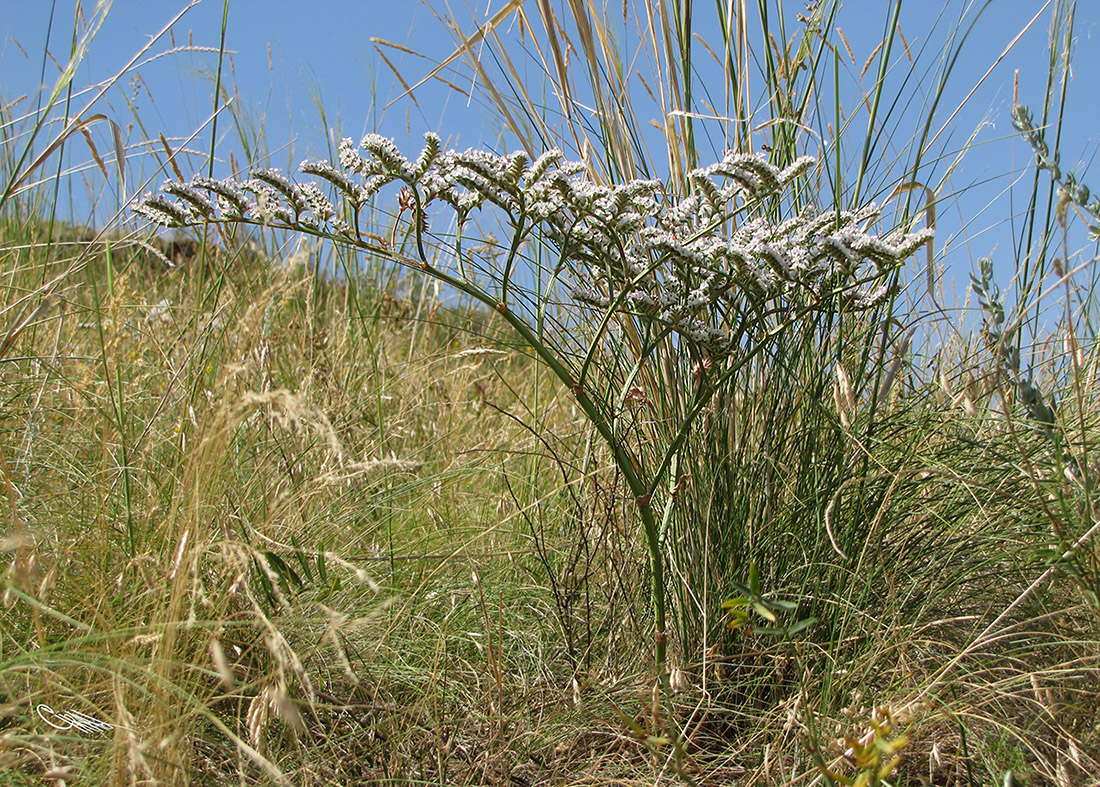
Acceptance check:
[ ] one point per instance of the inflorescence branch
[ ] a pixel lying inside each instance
(1069, 190)
(630, 245)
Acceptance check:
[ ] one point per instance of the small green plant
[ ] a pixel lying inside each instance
(709, 278)
(752, 599)
(874, 756)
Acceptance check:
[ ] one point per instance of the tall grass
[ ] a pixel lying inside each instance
(284, 528)
(233, 495)
(821, 469)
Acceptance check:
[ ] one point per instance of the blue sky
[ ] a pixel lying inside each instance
(291, 60)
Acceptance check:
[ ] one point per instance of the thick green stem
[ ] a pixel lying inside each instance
(626, 462)
(628, 466)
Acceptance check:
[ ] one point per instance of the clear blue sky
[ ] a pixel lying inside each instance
(291, 58)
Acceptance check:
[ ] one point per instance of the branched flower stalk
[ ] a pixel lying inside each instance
(1005, 337)
(1006, 345)
(707, 276)
(1070, 192)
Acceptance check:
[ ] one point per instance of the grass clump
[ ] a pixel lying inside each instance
(307, 490)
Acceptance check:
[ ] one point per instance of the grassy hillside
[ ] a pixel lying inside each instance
(263, 524)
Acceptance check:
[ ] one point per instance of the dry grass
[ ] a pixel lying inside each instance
(281, 529)
(323, 534)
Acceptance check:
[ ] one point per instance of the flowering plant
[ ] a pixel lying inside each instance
(706, 276)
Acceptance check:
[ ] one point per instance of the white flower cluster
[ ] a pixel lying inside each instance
(628, 246)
